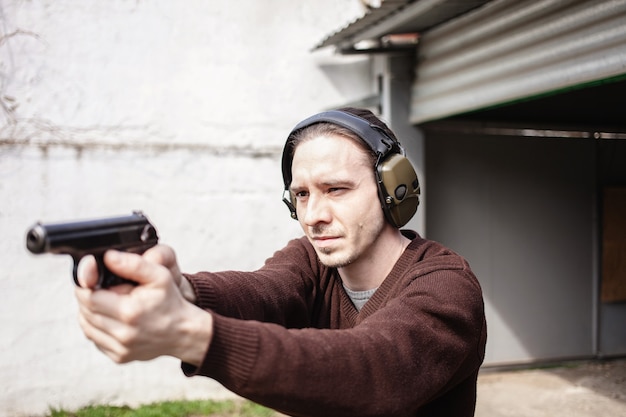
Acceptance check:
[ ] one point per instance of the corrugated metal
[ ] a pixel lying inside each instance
(397, 16)
(511, 50)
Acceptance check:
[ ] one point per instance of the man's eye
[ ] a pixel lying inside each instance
(301, 194)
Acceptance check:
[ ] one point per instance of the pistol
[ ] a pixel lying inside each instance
(132, 233)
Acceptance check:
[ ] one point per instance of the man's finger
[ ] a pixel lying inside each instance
(165, 255)
(98, 302)
(87, 272)
(106, 343)
(161, 254)
(133, 267)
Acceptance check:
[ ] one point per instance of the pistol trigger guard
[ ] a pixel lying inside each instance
(75, 270)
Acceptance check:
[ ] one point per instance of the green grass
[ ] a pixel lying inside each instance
(172, 409)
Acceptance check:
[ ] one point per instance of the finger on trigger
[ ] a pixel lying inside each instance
(87, 272)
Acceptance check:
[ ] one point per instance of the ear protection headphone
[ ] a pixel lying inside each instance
(398, 186)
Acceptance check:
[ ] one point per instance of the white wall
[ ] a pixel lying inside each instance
(520, 209)
(179, 109)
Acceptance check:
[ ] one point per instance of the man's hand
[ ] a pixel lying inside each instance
(151, 319)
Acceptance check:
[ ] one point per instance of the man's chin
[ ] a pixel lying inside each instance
(333, 259)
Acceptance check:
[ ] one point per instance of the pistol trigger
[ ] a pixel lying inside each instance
(102, 271)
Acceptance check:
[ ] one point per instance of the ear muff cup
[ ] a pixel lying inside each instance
(398, 186)
(399, 189)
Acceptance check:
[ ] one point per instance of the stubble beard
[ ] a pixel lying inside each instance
(325, 254)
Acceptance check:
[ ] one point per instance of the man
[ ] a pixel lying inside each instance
(357, 318)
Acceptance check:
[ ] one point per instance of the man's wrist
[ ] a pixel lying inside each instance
(196, 337)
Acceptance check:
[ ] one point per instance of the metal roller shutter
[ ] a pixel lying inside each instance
(510, 50)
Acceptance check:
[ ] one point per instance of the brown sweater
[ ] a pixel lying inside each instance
(287, 336)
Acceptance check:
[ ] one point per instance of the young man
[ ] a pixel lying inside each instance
(356, 318)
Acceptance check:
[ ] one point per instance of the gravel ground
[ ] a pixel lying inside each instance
(581, 389)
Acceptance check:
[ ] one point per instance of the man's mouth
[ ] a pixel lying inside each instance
(324, 241)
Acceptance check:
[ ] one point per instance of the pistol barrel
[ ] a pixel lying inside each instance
(89, 236)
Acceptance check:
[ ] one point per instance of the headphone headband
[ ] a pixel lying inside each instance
(368, 132)
(372, 135)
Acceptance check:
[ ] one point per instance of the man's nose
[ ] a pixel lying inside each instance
(317, 210)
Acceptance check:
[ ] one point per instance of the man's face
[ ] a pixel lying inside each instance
(336, 198)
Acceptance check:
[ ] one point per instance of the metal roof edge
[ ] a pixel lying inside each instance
(393, 15)
(371, 17)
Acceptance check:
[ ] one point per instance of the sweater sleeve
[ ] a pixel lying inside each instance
(419, 345)
(282, 291)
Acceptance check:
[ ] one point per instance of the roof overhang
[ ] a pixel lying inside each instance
(395, 24)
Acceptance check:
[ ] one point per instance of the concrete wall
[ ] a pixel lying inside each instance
(179, 109)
